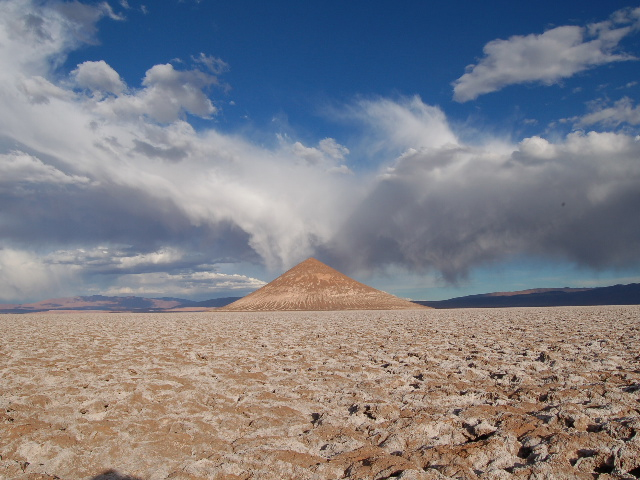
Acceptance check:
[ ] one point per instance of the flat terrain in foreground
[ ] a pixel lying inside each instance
(501, 393)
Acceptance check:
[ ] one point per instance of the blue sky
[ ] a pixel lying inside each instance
(198, 148)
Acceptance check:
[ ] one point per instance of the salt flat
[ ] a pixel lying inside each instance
(424, 394)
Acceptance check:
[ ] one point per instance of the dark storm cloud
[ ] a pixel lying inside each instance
(456, 208)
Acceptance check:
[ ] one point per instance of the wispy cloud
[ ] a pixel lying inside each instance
(186, 284)
(549, 57)
(19, 170)
(26, 274)
(610, 115)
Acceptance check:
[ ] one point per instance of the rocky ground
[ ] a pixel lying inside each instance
(492, 394)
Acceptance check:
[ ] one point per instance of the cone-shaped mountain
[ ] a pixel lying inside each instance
(312, 285)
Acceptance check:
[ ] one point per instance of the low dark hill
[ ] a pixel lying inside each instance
(217, 302)
(559, 297)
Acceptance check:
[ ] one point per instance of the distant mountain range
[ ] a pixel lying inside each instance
(539, 297)
(116, 304)
(546, 297)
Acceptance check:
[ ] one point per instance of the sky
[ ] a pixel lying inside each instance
(198, 149)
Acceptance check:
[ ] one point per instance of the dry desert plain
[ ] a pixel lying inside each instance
(427, 394)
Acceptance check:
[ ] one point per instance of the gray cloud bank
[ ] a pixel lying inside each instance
(107, 188)
(456, 207)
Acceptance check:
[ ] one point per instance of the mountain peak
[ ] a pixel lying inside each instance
(313, 285)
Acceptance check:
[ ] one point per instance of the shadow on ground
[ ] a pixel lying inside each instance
(114, 475)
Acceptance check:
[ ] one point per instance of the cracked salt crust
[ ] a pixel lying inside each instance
(424, 394)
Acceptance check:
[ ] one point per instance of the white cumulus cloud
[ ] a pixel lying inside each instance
(167, 95)
(548, 57)
(98, 76)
